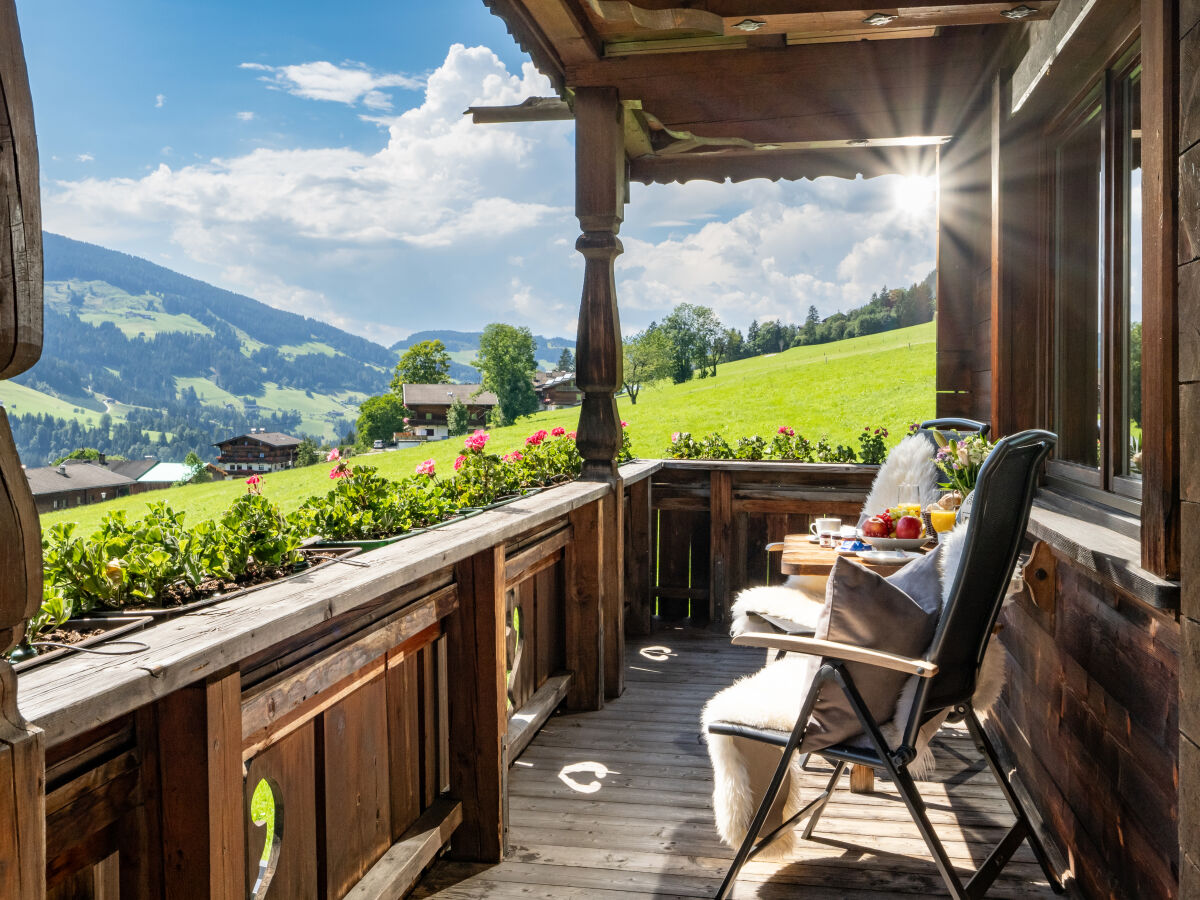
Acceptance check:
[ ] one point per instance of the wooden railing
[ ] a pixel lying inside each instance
(710, 522)
(330, 735)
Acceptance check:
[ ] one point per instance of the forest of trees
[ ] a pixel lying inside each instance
(691, 341)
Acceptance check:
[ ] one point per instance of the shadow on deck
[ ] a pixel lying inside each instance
(616, 804)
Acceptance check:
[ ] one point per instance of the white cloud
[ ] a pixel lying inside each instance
(450, 224)
(350, 83)
(244, 116)
(85, 157)
(159, 100)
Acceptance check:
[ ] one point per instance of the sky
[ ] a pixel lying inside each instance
(315, 157)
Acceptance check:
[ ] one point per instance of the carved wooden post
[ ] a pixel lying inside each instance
(600, 184)
(22, 755)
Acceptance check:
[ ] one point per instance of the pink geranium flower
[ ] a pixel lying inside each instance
(339, 471)
(333, 456)
(536, 438)
(255, 484)
(559, 432)
(783, 429)
(458, 463)
(675, 436)
(425, 468)
(624, 424)
(477, 441)
(515, 456)
(253, 479)
(571, 435)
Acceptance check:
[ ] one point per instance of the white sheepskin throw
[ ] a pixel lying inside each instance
(910, 462)
(799, 600)
(770, 698)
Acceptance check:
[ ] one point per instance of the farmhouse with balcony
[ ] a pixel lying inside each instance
(258, 451)
(429, 404)
(555, 389)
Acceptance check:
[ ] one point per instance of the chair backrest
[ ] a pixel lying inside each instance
(953, 429)
(1003, 497)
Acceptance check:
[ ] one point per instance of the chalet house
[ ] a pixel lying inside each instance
(258, 451)
(77, 483)
(555, 389)
(429, 405)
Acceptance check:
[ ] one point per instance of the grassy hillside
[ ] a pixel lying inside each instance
(831, 389)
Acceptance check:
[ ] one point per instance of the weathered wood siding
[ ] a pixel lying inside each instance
(1189, 449)
(1089, 716)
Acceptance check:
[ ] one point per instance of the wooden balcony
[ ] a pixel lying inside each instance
(616, 805)
(391, 709)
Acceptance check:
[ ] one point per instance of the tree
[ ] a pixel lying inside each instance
(308, 453)
(695, 335)
(647, 360)
(379, 418)
(811, 323)
(458, 418)
(566, 361)
(197, 471)
(507, 362)
(424, 363)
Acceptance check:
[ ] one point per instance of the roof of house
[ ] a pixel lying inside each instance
(133, 468)
(557, 379)
(270, 438)
(82, 475)
(167, 472)
(445, 394)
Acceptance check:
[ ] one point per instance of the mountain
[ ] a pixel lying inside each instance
(463, 346)
(158, 353)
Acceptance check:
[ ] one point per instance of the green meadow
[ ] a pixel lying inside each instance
(830, 389)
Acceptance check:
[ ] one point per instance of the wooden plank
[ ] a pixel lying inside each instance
(584, 614)
(478, 714)
(639, 540)
(200, 767)
(289, 767)
(354, 809)
(21, 551)
(398, 869)
(524, 563)
(523, 664)
(276, 698)
(720, 544)
(612, 582)
(430, 780)
(525, 722)
(548, 596)
(404, 744)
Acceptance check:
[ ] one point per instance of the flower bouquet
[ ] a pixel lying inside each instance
(960, 461)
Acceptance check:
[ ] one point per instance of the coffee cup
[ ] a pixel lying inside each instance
(821, 526)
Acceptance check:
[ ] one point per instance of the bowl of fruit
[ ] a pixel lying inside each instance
(895, 529)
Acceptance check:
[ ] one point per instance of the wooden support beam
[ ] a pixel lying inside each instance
(612, 586)
(600, 186)
(1160, 308)
(200, 763)
(721, 544)
(584, 612)
(638, 570)
(478, 698)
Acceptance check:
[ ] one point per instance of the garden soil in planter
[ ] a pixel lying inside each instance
(81, 633)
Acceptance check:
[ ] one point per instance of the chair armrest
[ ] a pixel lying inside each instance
(774, 546)
(846, 652)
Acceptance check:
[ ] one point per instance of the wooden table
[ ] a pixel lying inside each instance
(802, 557)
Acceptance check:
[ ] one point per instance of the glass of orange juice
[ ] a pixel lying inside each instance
(943, 519)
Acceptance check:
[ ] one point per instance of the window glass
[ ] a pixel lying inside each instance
(1132, 306)
(1079, 290)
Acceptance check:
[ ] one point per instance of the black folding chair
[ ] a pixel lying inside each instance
(954, 429)
(1004, 494)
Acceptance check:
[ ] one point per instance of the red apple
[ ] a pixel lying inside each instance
(908, 528)
(875, 527)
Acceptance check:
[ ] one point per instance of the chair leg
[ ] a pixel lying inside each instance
(989, 753)
(916, 808)
(820, 808)
(760, 818)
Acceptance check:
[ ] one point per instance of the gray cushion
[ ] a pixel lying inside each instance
(894, 615)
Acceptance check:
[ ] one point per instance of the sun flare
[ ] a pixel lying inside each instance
(914, 193)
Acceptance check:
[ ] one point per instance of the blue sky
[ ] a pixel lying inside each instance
(316, 158)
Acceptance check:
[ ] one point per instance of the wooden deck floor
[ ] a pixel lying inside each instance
(615, 805)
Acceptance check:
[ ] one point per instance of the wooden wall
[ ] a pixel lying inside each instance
(1189, 412)
(1089, 718)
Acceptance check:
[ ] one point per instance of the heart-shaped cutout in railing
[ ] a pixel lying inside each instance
(266, 812)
